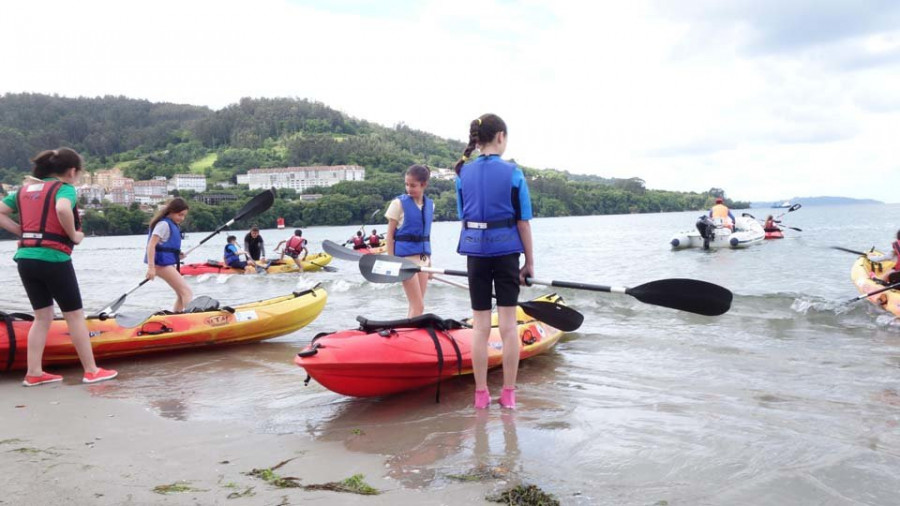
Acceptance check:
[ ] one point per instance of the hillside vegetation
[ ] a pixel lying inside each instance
(148, 139)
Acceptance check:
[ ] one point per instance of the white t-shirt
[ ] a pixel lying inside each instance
(163, 230)
(395, 211)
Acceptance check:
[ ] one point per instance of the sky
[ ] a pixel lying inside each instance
(767, 99)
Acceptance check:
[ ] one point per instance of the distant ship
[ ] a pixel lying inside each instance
(784, 205)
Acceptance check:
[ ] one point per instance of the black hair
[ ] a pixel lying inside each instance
(230, 238)
(254, 229)
(359, 233)
(481, 131)
(374, 232)
(298, 232)
(55, 162)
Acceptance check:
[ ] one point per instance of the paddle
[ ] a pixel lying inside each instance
(199, 304)
(255, 206)
(689, 295)
(116, 304)
(876, 292)
(861, 253)
(748, 215)
(790, 210)
(562, 317)
(337, 251)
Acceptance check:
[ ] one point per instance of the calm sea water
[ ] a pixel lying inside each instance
(790, 398)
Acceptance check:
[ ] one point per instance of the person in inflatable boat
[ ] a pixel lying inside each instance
(721, 214)
(893, 275)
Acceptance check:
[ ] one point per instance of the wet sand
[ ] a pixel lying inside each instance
(70, 444)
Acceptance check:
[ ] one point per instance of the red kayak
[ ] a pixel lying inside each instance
(774, 234)
(387, 357)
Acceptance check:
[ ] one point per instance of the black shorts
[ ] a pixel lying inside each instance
(48, 281)
(238, 264)
(487, 274)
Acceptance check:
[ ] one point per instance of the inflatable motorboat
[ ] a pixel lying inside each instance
(711, 233)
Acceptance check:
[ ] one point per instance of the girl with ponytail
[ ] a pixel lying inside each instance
(49, 228)
(163, 255)
(494, 207)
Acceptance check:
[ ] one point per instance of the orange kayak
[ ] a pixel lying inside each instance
(244, 323)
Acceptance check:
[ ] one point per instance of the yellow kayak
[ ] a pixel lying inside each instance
(861, 274)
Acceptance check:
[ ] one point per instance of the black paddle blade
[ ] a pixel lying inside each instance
(556, 315)
(326, 268)
(386, 268)
(258, 204)
(849, 250)
(794, 207)
(337, 251)
(691, 295)
(748, 215)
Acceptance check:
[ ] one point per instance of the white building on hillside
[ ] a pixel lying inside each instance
(181, 182)
(301, 178)
(150, 192)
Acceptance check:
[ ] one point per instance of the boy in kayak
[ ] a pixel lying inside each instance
(49, 229)
(892, 276)
(409, 233)
(494, 206)
(374, 240)
(293, 247)
(233, 259)
(358, 241)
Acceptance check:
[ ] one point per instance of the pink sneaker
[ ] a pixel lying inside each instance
(100, 375)
(33, 381)
(508, 398)
(482, 399)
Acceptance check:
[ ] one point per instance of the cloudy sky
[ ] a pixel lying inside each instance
(768, 99)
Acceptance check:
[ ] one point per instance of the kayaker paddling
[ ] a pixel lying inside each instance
(494, 206)
(409, 233)
(892, 276)
(49, 229)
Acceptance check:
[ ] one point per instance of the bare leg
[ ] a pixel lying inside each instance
(482, 330)
(415, 295)
(78, 332)
(183, 294)
(510, 336)
(37, 339)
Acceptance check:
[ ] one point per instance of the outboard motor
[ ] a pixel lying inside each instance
(707, 229)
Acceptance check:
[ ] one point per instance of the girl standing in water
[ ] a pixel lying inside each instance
(164, 250)
(49, 231)
(494, 207)
(409, 233)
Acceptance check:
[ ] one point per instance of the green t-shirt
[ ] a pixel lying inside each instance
(66, 191)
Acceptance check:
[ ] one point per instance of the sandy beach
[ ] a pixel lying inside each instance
(67, 444)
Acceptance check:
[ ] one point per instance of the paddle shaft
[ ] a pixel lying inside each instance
(533, 281)
(210, 236)
(876, 292)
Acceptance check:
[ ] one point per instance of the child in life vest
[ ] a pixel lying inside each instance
(409, 233)
(293, 247)
(49, 229)
(164, 254)
(494, 207)
(233, 257)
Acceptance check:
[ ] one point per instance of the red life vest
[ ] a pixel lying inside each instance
(358, 243)
(294, 245)
(374, 241)
(37, 214)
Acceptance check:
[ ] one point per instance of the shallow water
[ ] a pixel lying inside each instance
(790, 398)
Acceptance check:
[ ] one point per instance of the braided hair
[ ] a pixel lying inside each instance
(482, 130)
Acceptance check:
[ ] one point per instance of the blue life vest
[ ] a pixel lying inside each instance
(231, 254)
(414, 236)
(169, 251)
(489, 224)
